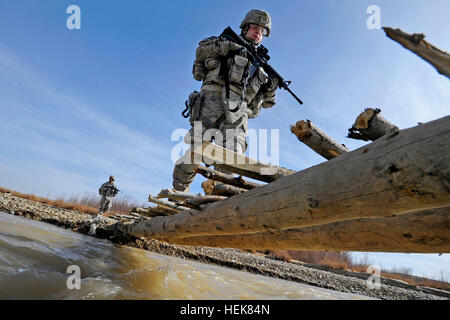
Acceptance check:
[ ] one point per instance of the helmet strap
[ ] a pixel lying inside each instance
(245, 29)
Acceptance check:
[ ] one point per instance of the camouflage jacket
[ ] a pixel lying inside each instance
(108, 190)
(259, 88)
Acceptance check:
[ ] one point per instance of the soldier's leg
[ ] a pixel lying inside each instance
(183, 173)
(235, 134)
(234, 137)
(210, 112)
(101, 209)
(108, 205)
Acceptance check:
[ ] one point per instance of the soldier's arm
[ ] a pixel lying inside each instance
(101, 190)
(264, 99)
(268, 90)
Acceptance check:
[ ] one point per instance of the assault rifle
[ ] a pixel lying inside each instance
(259, 58)
(110, 188)
(115, 189)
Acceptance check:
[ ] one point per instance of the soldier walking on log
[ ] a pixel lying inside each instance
(233, 90)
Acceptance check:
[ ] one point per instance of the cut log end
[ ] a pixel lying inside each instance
(317, 140)
(208, 186)
(396, 34)
(363, 120)
(370, 125)
(302, 129)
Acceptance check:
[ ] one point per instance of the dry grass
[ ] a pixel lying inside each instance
(344, 261)
(406, 276)
(85, 203)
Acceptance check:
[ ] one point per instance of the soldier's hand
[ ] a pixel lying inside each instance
(270, 85)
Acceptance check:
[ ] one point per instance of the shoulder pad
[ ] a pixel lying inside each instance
(207, 41)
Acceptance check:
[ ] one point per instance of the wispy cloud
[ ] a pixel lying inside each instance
(50, 126)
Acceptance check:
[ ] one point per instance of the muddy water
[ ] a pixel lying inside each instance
(35, 258)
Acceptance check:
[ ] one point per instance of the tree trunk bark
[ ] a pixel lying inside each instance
(226, 178)
(370, 125)
(317, 140)
(435, 56)
(422, 232)
(396, 174)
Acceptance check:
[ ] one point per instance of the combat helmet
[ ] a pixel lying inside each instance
(259, 17)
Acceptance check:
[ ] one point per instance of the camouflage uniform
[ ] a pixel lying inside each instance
(108, 191)
(250, 89)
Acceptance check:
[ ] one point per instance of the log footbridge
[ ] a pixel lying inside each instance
(391, 195)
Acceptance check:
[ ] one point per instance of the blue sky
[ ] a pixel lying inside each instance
(79, 105)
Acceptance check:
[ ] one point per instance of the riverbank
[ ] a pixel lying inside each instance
(320, 276)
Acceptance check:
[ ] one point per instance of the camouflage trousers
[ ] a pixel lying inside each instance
(212, 116)
(105, 204)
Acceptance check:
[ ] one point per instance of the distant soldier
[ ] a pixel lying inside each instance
(108, 191)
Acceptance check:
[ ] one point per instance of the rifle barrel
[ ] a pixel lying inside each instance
(294, 95)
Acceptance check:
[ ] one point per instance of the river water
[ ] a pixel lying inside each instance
(42, 261)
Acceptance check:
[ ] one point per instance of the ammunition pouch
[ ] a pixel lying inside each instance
(213, 69)
(199, 70)
(237, 69)
(194, 103)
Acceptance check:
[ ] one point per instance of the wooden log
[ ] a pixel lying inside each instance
(153, 211)
(212, 154)
(124, 216)
(176, 195)
(160, 211)
(167, 204)
(396, 174)
(370, 125)
(415, 43)
(139, 210)
(317, 140)
(188, 199)
(226, 178)
(216, 188)
(136, 215)
(143, 214)
(421, 232)
(198, 201)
